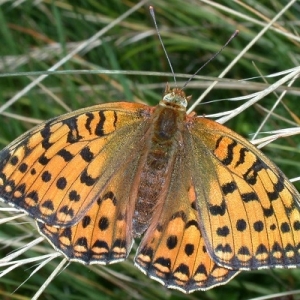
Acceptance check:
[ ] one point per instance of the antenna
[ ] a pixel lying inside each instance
(161, 42)
(217, 53)
(151, 8)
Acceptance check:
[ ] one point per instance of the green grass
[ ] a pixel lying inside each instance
(35, 37)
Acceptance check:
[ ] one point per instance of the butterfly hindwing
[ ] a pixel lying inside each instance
(104, 235)
(173, 250)
(249, 210)
(56, 171)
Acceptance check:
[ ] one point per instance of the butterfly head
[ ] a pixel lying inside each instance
(175, 97)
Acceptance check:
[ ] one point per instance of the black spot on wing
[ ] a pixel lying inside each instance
(261, 249)
(285, 227)
(244, 251)
(67, 232)
(189, 249)
(147, 251)
(242, 156)
(65, 154)
(251, 196)
(241, 225)
(48, 204)
(61, 183)
(223, 248)
(184, 269)
(23, 167)
(109, 195)
(172, 242)
(33, 195)
(73, 134)
(218, 209)
(14, 160)
(67, 211)
(201, 270)
(86, 221)
(230, 153)
(179, 214)
(90, 118)
(223, 231)
(251, 174)
(46, 133)
(74, 196)
(46, 176)
(86, 154)
(43, 160)
(278, 187)
(276, 247)
(119, 243)
(86, 179)
(82, 241)
(101, 244)
(268, 212)
(166, 262)
(258, 226)
(103, 223)
(229, 187)
(296, 225)
(99, 131)
(192, 223)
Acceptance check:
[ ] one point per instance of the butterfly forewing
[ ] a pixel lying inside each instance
(249, 211)
(56, 172)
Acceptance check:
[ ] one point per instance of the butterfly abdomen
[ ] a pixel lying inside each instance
(164, 140)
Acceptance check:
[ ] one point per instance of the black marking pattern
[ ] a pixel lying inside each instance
(86, 179)
(229, 187)
(46, 134)
(103, 223)
(74, 196)
(172, 242)
(218, 209)
(86, 221)
(65, 154)
(73, 133)
(23, 167)
(86, 154)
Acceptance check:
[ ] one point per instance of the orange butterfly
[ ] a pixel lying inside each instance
(207, 202)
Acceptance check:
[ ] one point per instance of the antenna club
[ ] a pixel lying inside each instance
(151, 9)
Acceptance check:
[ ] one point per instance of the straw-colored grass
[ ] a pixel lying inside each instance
(36, 35)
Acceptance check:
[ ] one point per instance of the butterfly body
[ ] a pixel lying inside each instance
(163, 143)
(206, 202)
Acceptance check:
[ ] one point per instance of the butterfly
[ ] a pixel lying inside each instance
(205, 202)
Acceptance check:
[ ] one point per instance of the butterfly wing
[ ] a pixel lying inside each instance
(173, 250)
(104, 234)
(249, 211)
(57, 170)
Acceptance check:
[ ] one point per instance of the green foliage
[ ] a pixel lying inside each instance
(35, 35)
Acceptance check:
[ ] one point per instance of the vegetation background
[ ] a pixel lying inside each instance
(35, 35)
